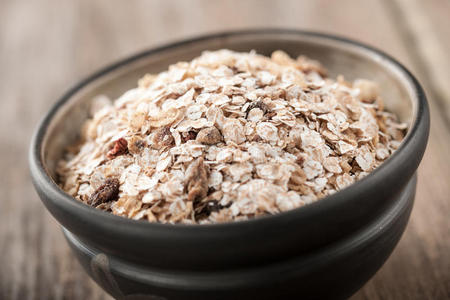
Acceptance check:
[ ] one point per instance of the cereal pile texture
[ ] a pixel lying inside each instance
(228, 136)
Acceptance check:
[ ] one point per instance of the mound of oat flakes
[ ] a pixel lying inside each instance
(228, 136)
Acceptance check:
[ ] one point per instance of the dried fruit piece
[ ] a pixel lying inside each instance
(105, 193)
(190, 135)
(197, 180)
(162, 138)
(120, 148)
(136, 145)
(205, 208)
(209, 136)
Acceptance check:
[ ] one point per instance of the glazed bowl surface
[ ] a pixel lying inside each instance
(170, 256)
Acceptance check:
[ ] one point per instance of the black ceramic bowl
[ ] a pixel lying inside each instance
(326, 250)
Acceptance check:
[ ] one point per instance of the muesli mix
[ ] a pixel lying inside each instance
(228, 136)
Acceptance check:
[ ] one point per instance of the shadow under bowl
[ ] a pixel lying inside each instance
(325, 250)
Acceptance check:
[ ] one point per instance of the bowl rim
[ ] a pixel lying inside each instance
(45, 184)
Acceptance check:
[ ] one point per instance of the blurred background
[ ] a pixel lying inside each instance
(46, 46)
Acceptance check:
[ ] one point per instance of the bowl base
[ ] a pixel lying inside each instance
(340, 269)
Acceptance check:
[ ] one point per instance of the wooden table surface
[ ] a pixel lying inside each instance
(47, 46)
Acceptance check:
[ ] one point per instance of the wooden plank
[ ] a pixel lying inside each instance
(428, 37)
(48, 45)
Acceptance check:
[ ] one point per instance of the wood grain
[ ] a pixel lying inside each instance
(46, 46)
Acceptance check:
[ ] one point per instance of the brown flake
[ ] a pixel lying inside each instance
(197, 180)
(209, 136)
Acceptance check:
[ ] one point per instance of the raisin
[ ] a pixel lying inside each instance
(162, 138)
(190, 135)
(120, 147)
(107, 192)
